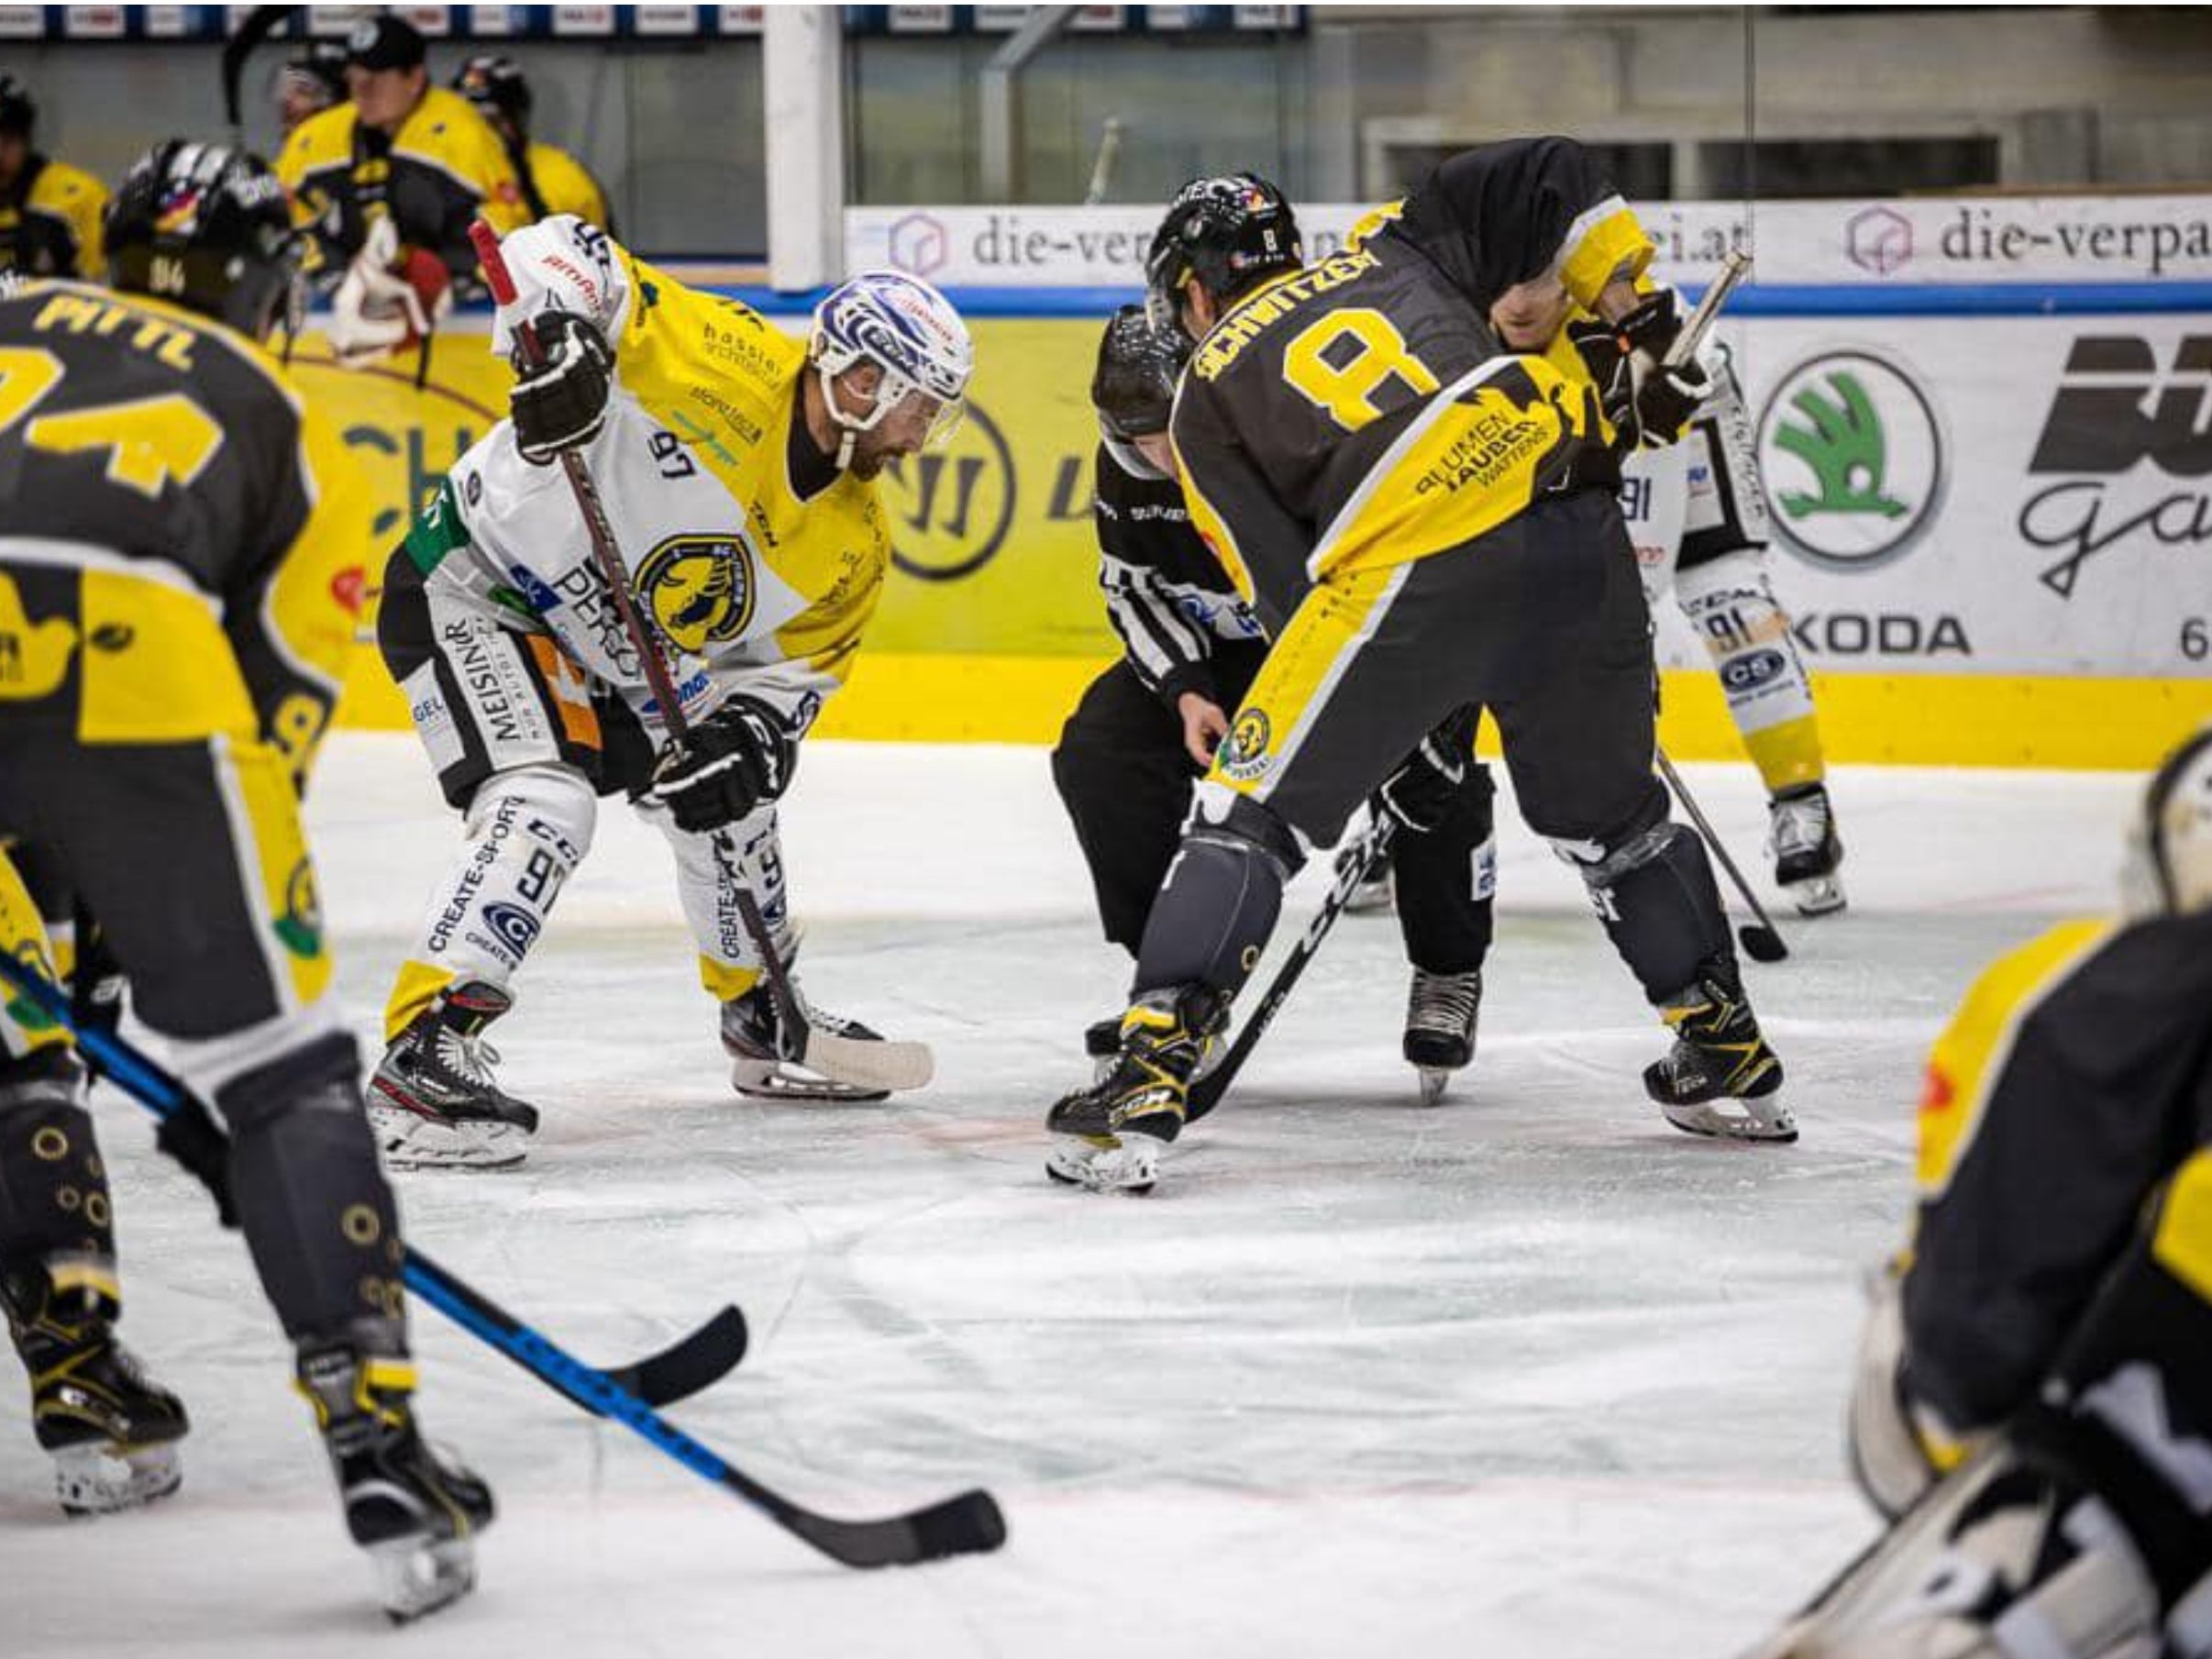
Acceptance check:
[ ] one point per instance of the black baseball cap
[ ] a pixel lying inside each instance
(386, 43)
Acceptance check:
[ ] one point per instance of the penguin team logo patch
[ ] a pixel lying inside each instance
(701, 589)
(1244, 757)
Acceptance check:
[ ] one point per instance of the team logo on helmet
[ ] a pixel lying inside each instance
(701, 589)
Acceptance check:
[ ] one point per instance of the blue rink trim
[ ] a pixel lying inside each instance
(1837, 299)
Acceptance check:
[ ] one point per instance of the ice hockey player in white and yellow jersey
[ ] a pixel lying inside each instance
(736, 464)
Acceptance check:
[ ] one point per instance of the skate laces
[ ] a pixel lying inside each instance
(467, 1056)
(1445, 1002)
(1799, 825)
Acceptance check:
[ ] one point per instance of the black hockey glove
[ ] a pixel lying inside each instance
(1419, 793)
(1667, 400)
(738, 756)
(562, 402)
(1652, 326)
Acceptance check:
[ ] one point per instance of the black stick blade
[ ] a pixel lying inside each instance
(1762, 944)
(969, 1524)
(698, 1360)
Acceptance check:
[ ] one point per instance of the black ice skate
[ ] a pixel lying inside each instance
(2006, 1555)
(1440, 1027)
(1801, 830)
(111, 1430)
(1110, 1137)
(416, 1513)
(434, 1103)
(753, 1036)
(1720, 1077)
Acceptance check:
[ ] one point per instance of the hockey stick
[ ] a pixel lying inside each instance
(261, 23)
(191, 1136)
(1760, 941)
(968, 1524)
(1207, 1092)
(878, 1065)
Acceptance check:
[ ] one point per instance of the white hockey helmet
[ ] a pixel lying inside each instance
(908, 330)
(2168, 871)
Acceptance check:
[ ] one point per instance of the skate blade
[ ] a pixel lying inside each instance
(416, 1576)
(1434, 1080)
(781, 1081)
(1815, 895)
(1104, 1163)
(107, 1479)
(1731, 1119)
(409, 1141)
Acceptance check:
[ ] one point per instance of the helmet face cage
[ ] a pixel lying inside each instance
(1223, 233)
(2168, 866)
(910, 332)
(207, 227)
(1139, 366)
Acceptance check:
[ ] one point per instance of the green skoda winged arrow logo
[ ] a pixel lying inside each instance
(1852, 456)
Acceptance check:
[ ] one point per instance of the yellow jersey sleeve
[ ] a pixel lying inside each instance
(565, 185)
(77, 199)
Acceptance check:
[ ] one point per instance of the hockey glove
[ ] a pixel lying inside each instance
(738, 756)
(1667, 400)
(562, 402)
(1419, 793)
(1652, 326)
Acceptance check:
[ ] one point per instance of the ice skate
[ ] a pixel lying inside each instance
(1102, 1048)
(434, 1103)
(1111, 1136)
(752, 1036)
(2005, 1557)
(416, 1513)
(1801, 832)
(1720, 1077)
(1441, 1013)
(110, 1429)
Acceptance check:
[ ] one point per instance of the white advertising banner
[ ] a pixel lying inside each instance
(1957, 241)
(2004, 495)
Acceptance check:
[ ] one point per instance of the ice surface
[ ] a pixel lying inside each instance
(1527, 1374)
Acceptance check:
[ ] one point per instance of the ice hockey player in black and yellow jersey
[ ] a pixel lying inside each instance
(50, 211)
(1423, 523)
(2033, 1404)
(387, 184)
(1146, 728)
(552, 181)
(182, 554)
(737, 466)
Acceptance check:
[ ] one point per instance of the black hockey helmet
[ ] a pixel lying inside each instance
(1134, 388)
(494, 82)
(210, 228)
(18, 109)
(1223, 233)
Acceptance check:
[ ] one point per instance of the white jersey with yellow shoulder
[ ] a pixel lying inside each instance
(755, 585)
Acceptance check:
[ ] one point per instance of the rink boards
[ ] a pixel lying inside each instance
(1992, 530)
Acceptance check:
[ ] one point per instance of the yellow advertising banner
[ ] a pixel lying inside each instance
(993, 621)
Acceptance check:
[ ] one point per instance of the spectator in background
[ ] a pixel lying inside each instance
(310, 84)
(386, 187)
(552, 180)
(50, 211)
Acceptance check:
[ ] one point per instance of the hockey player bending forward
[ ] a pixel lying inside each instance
(1147, 727)
(1423, 524)
(2033, 1408)
(178, 536)
(1697, 513)
(737, 469)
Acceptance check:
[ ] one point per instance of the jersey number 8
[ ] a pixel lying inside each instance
(1341, 362)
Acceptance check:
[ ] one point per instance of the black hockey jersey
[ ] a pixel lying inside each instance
(182, 543)
(1360, 413)
(1166, 595)
(2074, 1079)
(49, 221)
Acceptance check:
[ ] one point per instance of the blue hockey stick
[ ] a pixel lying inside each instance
(969, 1523)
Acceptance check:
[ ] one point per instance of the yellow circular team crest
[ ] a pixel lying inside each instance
(1246, 756)
(701, 589)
